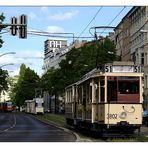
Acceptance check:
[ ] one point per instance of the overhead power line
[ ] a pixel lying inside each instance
(54, 35)
(113, 19)
(40, 33)
(89, 23)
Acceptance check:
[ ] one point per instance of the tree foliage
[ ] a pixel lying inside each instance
(77, 63)
(2, 18)
(26, 85)
(3, 80)
(3, 73)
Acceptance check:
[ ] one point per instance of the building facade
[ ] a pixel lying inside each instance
(132, 41)
(53, 48)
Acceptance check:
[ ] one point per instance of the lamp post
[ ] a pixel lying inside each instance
(7, 53)
(6, 65)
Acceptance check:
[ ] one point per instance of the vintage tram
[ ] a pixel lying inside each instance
(6, 106)
(107, 99)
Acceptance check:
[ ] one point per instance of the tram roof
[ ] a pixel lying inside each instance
(100, 71)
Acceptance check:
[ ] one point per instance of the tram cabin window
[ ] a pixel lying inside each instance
(128, 85)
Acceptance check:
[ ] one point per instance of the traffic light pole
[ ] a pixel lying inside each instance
(17, 28)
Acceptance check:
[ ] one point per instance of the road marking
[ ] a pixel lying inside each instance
(12, 126)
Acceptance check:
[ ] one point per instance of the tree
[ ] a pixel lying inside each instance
(28, 86)
(77, 63)
(2, 18)
(3, 73)
(25, 87)
(3, 80)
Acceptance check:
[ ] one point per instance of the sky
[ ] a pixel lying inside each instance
(65, 19)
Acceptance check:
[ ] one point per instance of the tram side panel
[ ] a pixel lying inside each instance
(70, 105)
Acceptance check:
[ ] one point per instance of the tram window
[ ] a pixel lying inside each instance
(87, 93)
(112, 89)
(80, 94)
(90, 94)
(84, 95)
(128, 87)
(37, 104)
(102, 90)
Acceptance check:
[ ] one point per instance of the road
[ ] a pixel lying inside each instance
(21, 127)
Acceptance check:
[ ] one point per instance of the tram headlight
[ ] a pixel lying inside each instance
(123, 115)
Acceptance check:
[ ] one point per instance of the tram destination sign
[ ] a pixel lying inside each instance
(122, 68)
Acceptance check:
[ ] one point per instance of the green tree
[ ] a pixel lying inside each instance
(77, 63)
(26, 85)
(2, 18)
(3, 80)
(3, 73)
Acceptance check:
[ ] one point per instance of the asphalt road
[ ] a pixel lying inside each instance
(21, 127)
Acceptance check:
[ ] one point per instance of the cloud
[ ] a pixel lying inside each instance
(44, 9)
(26, 57)
(31, 58)
(55, 29)
(63, 16)
(30, 54)
(32, 16)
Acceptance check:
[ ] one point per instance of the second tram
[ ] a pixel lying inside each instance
(34, 106)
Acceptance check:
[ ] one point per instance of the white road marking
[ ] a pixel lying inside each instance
(14, 124)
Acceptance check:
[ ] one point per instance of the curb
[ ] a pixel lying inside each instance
(78, 139)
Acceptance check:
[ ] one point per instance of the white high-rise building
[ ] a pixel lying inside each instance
(53, 50)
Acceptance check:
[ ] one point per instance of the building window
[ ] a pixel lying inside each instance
(145, 58)
(133, 57)
(142, 58)
(145, 81)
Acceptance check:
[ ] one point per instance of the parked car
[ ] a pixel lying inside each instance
(145, 117)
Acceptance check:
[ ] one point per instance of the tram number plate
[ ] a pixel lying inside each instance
(111, 116)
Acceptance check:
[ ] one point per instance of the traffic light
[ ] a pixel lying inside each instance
(19, 28)
(13, 28)
(23, 28)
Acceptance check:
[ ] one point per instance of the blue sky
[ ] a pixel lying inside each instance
(66, 19)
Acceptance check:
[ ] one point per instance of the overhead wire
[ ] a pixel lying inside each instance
(113, 19)
(89, 22)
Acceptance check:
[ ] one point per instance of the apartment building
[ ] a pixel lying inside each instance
(123, 39)
(132, 41)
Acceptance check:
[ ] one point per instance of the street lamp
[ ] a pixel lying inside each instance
(7, 53)
(6, 65)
